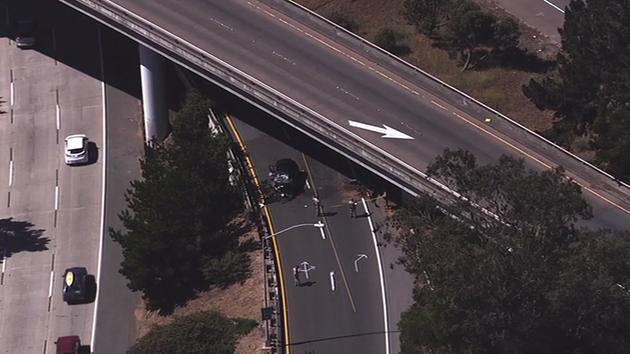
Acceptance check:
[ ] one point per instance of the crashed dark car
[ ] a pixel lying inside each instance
(286, 178)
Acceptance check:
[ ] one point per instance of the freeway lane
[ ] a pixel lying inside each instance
(348, 319)
(51, 98)
(342, 85)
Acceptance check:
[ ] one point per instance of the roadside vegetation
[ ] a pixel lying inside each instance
(531, 280)
(201, 332)
(590, 91)
(179, 237)
(580, 99)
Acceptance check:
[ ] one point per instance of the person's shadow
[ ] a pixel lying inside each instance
(20, 236)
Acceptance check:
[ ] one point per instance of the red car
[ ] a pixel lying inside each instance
(68, 345)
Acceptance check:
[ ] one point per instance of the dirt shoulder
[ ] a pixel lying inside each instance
(500, 88)
(239, 300)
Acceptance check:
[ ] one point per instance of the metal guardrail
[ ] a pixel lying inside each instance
(316, 125)
(300, 12)
(263, 96)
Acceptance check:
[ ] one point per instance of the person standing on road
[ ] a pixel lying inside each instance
(296, 276)
(319, 209)
(352, 205)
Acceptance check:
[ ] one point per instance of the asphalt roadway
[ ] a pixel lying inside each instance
(343, 85)
(338, 313)
(51, 213)
(544, 15)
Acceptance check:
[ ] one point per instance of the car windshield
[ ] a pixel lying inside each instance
(76, 151)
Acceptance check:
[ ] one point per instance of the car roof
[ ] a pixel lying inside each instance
(75, 141)
(287, 164)
(67, 344)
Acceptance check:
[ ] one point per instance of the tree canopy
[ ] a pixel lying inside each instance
(590, 92)
(201, 332)
(465, 27)
(522, 278)
(177, 221)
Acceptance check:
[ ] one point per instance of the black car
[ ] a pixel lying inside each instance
(25, 33)
(286, 178)
(75, 285)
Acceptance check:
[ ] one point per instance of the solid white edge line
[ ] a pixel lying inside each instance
(104, 162)
(10, 173)
(12, 93)
(4, 260)
(50, 286)
(380, 274)
(58, 115)
(554, 5)
(56, 197)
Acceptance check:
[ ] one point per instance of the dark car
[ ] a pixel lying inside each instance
(68, 345)
(25, 33)
(75, 285)
(286, 178)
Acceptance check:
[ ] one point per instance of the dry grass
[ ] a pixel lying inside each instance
(500, 88)
(239, 300)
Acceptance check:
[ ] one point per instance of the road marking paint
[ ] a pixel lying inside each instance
(54, 41)
(331, 240)
(10, 173)
(56, 197)
(4, 262)
(321, 231)
(12, 93)
(103, 187)
(554, 5)
(332, 281)
(50, 286)
(308, 185)
(380, 275)
(502, 140)
(58, 116)
(356, 261)
(439, 105)
(221, 24)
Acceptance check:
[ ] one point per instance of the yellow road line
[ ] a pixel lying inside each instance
(416, 93)
(252, 170)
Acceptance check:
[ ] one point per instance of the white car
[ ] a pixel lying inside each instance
(76, 151)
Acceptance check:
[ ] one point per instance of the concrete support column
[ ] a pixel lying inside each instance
(152, 75)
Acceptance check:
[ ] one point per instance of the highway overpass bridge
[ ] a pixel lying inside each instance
(338, 89)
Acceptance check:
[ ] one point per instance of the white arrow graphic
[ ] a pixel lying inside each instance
(388, 132)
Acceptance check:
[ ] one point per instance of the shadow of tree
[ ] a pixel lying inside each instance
(19, 236)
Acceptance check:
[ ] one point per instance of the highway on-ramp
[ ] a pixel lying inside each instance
(344, 86)
(338, 308)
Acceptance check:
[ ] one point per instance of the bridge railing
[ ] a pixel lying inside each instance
(263, 96)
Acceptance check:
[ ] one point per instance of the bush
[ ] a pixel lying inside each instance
(202, 332)
(391, 41)
(343, 20)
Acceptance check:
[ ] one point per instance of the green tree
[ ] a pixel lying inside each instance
(591, 86)
(505, 38)
(391, 41)
(427, 15)
(469, 29)
(178, 215)
(202, 332)
(522, 278)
